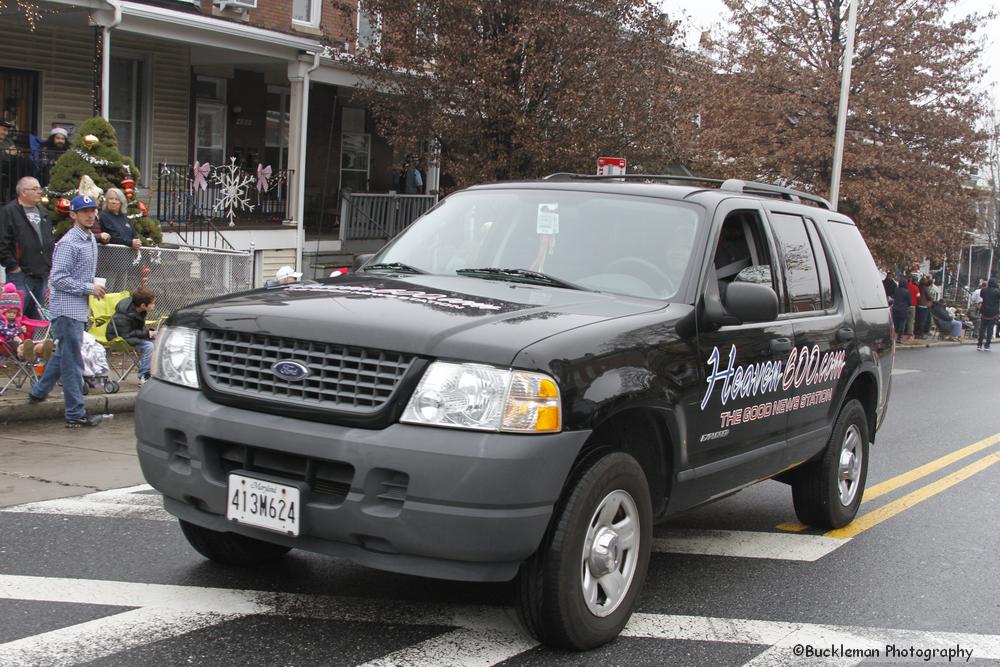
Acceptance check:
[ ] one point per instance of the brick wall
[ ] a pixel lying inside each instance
(335, 26)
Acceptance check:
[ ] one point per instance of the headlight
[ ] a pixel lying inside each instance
(485, 398)
(174, 358)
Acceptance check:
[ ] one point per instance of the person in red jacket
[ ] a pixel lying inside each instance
(911, 314)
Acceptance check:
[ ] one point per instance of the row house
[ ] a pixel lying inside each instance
(264, 85)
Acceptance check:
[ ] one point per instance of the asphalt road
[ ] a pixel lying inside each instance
(107, 579)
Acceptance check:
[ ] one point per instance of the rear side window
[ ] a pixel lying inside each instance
(861, 270)
(800, 264)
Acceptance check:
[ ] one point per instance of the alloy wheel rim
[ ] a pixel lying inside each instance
(849, 469)
(610, 553)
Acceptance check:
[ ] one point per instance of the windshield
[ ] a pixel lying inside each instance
(635, 246)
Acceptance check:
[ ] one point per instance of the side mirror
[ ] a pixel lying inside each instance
(751, 302)
(361, 260)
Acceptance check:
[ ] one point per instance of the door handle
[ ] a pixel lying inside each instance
(781, 345)
(845, 334)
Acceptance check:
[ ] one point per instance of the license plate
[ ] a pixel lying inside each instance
(263, 504)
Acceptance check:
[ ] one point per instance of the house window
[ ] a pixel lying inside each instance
(355, 151)
(369, 28)
(306, 12)
(126, 112)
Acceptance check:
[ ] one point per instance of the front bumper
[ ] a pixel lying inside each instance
(445, 503)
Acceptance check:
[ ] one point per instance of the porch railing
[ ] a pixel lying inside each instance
(24, 162)
(224, 197)
(365, 216)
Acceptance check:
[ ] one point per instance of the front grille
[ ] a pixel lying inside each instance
(350, 379)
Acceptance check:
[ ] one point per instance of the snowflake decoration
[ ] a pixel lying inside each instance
(234, 192)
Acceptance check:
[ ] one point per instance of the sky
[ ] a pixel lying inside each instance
(705, 14)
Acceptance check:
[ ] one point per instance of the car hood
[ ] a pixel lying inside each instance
(449, 317)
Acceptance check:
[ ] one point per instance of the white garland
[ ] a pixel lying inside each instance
(97, 162)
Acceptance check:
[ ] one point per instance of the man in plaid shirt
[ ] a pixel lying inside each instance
(74, 265)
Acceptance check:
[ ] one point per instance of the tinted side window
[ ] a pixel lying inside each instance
(822, 266)
(861, 270)
(800, 264)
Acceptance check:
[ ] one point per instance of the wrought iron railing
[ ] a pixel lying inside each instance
(200, 202)
(366, 216)
(18, 163)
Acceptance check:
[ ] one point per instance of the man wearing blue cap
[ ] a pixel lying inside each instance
(74, 265)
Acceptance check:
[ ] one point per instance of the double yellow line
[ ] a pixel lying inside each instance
(875, 517)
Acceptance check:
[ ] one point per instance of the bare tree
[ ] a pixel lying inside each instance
(521, 88)
(911, 139)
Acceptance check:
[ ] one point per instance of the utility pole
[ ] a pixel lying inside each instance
(845, 87)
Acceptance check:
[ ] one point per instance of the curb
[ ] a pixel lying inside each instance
(53, 408)
(924, 346)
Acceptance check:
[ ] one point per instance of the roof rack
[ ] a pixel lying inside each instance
(729, 185)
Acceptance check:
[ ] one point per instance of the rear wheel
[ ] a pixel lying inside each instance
(827, 492)
(580, 587)
(230, 548)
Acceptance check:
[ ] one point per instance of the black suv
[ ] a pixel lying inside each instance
(523, 381)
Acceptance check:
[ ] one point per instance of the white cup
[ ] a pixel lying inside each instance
(103, 282)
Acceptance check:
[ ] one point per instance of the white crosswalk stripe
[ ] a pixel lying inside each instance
(482, 635)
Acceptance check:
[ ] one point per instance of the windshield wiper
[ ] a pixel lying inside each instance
(398, 267)
(519, 276)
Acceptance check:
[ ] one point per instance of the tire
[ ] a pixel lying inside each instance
(230, 548)
(827, 492)
(86, 388)
(552, 586)
(111, 387)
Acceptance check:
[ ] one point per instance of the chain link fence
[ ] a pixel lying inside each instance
(177, 276)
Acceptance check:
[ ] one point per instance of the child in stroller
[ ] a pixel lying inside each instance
(96, 372)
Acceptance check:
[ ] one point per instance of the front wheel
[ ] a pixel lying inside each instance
(230, 548)
(579, 589)
(827, 492)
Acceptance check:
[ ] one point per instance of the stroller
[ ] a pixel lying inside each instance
(96, 371)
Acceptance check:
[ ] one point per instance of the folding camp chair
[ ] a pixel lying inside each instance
(18, 370)
(102, 328)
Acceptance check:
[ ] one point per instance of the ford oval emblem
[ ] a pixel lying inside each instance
(290, 370)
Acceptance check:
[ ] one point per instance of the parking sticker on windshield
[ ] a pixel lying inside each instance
(547, 221)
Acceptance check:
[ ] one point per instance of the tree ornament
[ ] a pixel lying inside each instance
(129, 193)
(128, 183)
(63, 206)
(45, 200)
(90, 141)
(142, 209)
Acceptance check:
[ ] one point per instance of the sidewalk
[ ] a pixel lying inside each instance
(14, 405)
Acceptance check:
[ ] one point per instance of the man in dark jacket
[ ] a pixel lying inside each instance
(129, 322)
(989, 313)
(26, 244)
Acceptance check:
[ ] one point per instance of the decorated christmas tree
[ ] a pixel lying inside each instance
(90, 167)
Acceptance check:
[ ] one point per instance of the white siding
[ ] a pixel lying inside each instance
(270, 261)
(168, 96)
(64, 56)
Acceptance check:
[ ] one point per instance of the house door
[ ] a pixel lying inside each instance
(19, 96)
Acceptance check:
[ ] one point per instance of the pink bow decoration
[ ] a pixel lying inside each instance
(200, 173)
(263, 173)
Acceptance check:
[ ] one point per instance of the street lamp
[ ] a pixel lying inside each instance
(845, 86)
